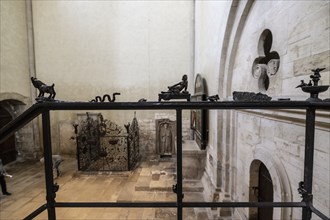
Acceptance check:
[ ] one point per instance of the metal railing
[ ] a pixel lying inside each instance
(305, 187)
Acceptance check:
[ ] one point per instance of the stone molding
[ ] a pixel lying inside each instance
(14, 96)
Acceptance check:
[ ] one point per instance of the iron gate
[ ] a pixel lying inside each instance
(103, 145)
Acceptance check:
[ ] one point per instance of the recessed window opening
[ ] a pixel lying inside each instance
(267, 64)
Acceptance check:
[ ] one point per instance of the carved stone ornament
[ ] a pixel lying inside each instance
(272, 67)
(258, 70)
(165, 137)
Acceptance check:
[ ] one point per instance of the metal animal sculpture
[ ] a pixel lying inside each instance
(43, 88)
(213, 98)
(99, 99)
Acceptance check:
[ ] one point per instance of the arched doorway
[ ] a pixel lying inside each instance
(7, 148)
(261, 190)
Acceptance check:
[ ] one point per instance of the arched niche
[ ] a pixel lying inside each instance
(260, 190)
(198, 119)
(25, 139)
(8, 147)
(281, 185)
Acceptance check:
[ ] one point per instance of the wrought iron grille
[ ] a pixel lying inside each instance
(103, 145)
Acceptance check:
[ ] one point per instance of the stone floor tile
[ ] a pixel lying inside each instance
(28, 188)
(148, 213)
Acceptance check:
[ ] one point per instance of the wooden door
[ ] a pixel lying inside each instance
(265, 193)
(7, 148)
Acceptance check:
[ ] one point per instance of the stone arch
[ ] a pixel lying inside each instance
(14, 96)
(8, 147)
(281, 184)
(235, 25)
(237, 17)
(9, 109)
(26, 139)
(257, 189)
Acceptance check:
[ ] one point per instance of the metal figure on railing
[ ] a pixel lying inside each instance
(250, 97)
(213, 98)
(99, 99)
(313, 88)
(176, 91)
(178, 87)
(43, 88)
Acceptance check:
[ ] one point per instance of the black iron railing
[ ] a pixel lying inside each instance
(305, 187)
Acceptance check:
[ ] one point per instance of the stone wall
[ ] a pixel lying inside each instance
(277, 138)
(280, 146)
(228, 40)
(137, 48)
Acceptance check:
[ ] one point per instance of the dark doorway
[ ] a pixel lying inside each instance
(265, 193)
(7, 148)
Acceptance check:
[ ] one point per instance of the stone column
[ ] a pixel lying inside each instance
(32, 73)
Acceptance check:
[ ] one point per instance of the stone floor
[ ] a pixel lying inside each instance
(151, 181)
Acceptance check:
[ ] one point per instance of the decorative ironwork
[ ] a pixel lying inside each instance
(43, 88)
(213, 98)
(99, 99)
(133, 143)
(313, 88)
(177, 91)
(104, 146)
(306, 197)
(250, 97)
(51, 205)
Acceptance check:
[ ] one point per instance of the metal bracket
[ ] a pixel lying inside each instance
(306, 197)
(55, 189)
(175, 190)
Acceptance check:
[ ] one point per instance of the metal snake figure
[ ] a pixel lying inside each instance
(99, 99)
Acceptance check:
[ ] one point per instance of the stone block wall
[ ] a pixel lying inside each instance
(280, 145)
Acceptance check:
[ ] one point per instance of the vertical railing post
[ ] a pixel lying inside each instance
(50, 193)
(179, 162)
(308, 162)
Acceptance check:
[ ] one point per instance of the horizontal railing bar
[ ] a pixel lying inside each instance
(245, 204)
(183, 105)
(184, 204)
(19, 122)
(36, 212)
(115, 204)
(38, 108)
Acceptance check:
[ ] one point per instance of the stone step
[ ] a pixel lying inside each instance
(192, 186)
(165, 183)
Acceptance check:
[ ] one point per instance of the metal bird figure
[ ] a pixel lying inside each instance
(310, 83)
(317, 71)
(301, 84)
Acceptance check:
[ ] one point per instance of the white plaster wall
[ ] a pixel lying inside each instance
(90, 48)
(97, 47)
(14, 69)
